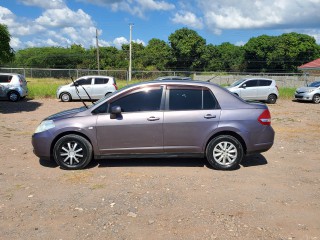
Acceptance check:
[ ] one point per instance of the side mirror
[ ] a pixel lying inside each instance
(115, 112)
(244, 86)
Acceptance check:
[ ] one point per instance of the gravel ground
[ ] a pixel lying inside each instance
(274, 195)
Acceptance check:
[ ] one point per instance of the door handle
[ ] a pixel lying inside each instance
(208, 116)
(153, 118)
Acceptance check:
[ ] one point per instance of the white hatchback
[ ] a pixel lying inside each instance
(260, 89)
(94, 86)
(13, 86)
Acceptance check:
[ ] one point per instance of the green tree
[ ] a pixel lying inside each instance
(157, 55)
(187, 48)
(6, 52)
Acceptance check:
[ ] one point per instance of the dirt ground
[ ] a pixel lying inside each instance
(274, 195)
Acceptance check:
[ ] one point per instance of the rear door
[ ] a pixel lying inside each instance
(264, 89)
(100, 87)
(191, 115)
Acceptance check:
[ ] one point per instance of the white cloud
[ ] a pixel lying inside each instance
(188, 19)
(47, 4)
(230, 14)
(118, 42)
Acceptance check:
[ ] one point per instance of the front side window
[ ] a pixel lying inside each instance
(251, 83)
(84, 81)
(142, 100)
(191, 99)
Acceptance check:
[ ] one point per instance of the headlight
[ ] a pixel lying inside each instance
(311, 90)
(44, 126)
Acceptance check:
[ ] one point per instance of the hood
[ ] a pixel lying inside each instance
(305, 89)
(66, 113)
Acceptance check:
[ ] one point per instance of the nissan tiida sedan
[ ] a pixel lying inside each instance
(159, 119)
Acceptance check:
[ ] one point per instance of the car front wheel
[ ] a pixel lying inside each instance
(65, 97)
(72, 152)
(316, 98)
(224, 152)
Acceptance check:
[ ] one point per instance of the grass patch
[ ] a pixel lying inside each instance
(286, 93)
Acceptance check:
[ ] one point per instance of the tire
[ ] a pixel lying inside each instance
(316, 98)
(13, 96)
(65, 97)
(72, 152)
(272, 98)
(224, 152)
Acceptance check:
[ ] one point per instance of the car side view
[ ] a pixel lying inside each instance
(94, 86)
(260, 89)
(170, 118)
(13, 86)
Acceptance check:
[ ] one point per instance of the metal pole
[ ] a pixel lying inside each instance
(130, 52)
(98, 58)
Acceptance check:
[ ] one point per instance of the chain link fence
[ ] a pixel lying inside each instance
(221, 78)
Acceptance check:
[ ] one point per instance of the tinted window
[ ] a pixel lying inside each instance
(5, 78)
(251, 83)
(146, 100)
(101, 80)
(264, 82)
(191, 99)
(84, 81)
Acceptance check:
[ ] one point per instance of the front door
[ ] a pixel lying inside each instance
(139, 127)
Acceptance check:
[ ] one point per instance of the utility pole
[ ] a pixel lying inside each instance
(98, 58)
(130, 52)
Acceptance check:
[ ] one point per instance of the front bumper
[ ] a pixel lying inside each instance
(303, 96)
(41, 143)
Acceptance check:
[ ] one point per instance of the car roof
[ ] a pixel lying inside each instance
(95, 76)
(172, 77)
(258, 78)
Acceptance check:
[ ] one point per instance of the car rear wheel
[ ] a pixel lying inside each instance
(72, 152)
(224, 152)
(316, 98)
(13, 96)
(65, 97)
(272, 98)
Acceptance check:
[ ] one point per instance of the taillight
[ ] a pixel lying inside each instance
(115, 86)
(265, 118)
(21, 82)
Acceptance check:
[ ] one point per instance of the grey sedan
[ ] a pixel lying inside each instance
(158, 119)
(309, 93)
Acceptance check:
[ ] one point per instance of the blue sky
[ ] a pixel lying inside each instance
(37, 23)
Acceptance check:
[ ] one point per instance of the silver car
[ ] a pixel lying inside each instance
(13, 86)
(309, 93)
(158, 119)
(94, 86)
(260, 89)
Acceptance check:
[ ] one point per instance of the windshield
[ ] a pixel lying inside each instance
(314, 84)
(236, 83)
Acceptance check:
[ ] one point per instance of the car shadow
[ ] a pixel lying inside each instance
(152, 162)
(254, 160)
(248, 161)
(24, 105)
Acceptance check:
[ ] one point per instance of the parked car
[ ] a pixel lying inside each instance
(96, 86)
(309, 93)
(158, 119)
(260, 89)
(174, 78)
(13, 86)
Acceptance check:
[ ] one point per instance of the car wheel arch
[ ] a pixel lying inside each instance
(69, 133)
(230, 133)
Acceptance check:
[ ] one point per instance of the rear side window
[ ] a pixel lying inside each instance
(5, 78)
(265, 82)
(101, 80)
(191, 99)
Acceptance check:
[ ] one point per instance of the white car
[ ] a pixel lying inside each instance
(13, 86)
(94, 86)
(260, 89)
